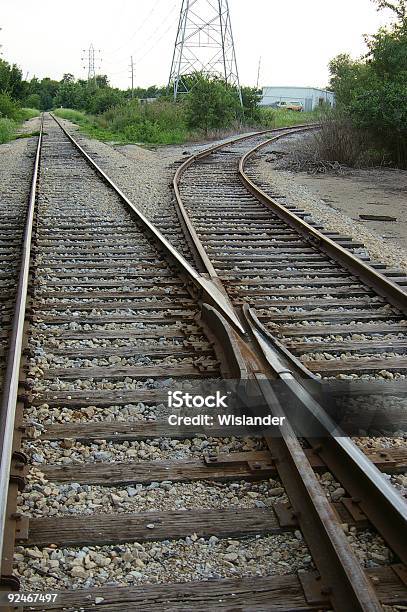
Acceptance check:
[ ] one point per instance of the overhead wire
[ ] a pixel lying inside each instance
(140, 27)
(153, 36)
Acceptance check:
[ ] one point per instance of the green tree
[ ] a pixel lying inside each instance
(103, 99)
(33, 101)
(70, 94)
(11, 80)
(373, 90)
(211, 104)
(251, 98)
(9, 108)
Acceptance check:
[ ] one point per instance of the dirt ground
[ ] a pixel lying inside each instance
(365, 192)
(377, 191)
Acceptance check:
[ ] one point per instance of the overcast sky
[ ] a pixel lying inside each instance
(295, 38)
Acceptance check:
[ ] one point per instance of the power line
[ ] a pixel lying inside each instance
(150, 37)
(155, 41)
(122, 46)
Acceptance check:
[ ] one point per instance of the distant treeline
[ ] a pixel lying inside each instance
(44, 94)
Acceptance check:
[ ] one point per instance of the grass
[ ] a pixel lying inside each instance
(29, 113)
(164, 123)
(9, 127)
(276, 118)
(89, 125)
(158, 123)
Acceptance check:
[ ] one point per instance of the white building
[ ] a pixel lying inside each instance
(308, 97)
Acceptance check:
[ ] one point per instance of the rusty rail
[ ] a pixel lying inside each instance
(11, 382)
(343, 580)
(209, 289)
(203, 262)
(369, 276)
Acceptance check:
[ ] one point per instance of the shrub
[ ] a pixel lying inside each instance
(33, 101)
(338, 140)
(372, 91)
(7, 130)
(70, 115)
(29, 113)
(103, 99)
(159, 122)
(9, 108)
(211, 104)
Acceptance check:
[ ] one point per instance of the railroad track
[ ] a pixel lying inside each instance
(115, 316)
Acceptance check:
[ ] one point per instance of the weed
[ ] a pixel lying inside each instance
(276, 118)
(29, 113)
(7, 129)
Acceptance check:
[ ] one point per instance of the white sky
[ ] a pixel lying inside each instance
(296, 38)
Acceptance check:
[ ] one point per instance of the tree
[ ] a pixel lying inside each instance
(211, 103)
(373, 90)
(103, 99)
(102, 80)
(251, 98)
(33, 101)
(399, 8)
(70, 94)
(11, 80)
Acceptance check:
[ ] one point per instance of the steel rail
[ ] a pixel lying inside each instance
(203, 262)
(372, 493)
(357, 592)
(210, 290)
(11, 381)
(378, 499)
(383, 286)
(344, 580)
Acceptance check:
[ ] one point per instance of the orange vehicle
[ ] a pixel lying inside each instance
(294, 106)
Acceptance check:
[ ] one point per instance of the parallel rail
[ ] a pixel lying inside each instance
(12, 376)
(384, 507)
(382, 285)
(250, 353)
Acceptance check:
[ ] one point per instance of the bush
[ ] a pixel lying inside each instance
(71, 115)
(9, 108)
(160, 122)
(372, 91)
(29, 113)
(103, 99)
(33, 101)
(211, 104)
(7, 130)
(340, 141)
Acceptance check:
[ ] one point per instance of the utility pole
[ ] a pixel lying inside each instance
(258, 74)
(90, 57)
(204, 44)
(132, 76)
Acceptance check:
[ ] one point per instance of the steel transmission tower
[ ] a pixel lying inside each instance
(90, 58)
(204, 44)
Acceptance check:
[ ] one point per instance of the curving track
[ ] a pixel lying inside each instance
(115, 317)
